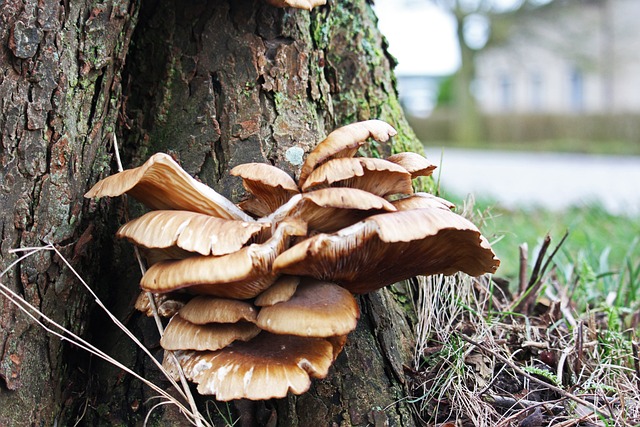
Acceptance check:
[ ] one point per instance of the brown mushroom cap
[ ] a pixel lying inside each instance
(267, 367)
(414, 163)
(270, 186)
(330, 209)
(229, 276)
(422, 200)
(155, 255)
(204, 309)
(376, 176)
(338, 343)
(344, 142)
(317, 309)
(190, 231)
(386, 248)
(160, 183)
(183, 335)
(282, 290)
(242, 274)
(298, 4)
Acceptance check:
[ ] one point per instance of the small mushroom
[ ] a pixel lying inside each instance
(298, 4)
(160, 183)
(166, 304)
(317, 309)
(266, 367)
(414, 163)
(191, 231)
(204, 309)
(282, 290)
(242, 274)
(344, 142)
(331, 209)
(390, 247)
(422, 200)
(183, 335)
(271, 187)
(376, 176)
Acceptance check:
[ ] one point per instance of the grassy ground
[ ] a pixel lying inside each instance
(555, 347)
(595, 238)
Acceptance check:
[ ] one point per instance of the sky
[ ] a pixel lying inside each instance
(420, 36)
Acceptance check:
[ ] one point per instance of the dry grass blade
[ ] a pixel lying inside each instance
(64, 334)
(441, 304)
(530, 377)
(438, 309)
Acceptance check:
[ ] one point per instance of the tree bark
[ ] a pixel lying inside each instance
(215, 83)
(59, 95)
(468, 126)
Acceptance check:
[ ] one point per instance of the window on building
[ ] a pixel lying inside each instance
(506, 92)
(577, 90)
(537, 91)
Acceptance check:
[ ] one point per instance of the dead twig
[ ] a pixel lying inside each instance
(537, 267)
(636, 362)
(553, 253)
(580, 347)
(528, 298)
(524, 263)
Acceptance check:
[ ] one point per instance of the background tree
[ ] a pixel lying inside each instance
(216, 83)
(479, 24)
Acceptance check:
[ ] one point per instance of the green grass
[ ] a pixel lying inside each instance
(592, 232)
(600, 258)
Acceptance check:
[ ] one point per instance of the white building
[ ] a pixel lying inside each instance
(583, 57)
(418, 93)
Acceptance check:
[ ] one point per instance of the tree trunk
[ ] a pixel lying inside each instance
(215, 83)
(59, 95)
(468, 123)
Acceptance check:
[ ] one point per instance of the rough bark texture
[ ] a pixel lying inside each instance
(59, 94)
(216, 83)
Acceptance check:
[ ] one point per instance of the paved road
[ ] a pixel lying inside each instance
(550, 180)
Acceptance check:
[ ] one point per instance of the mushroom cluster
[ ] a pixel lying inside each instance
(260, 294)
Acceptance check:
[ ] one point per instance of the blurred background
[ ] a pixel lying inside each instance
(530, 106)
